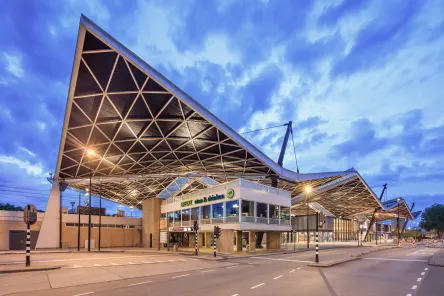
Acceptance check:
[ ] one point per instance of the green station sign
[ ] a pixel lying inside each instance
(190, 202)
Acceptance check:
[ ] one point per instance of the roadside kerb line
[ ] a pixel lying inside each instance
(254, 287)
(279, 259)
(141, 283)
(87, 293)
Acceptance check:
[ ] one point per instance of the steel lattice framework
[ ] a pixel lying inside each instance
(151, 139)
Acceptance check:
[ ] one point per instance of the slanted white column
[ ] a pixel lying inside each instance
(49, 231)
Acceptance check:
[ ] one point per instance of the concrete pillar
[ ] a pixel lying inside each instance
(224, 244)
(49, 232)
(252, 241)
(239, 241)
(273, 240)
(151, 222)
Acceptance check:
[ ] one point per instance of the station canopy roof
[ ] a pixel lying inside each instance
(138, 136)
(390, 210)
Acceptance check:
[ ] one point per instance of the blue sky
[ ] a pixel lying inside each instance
(361, 80)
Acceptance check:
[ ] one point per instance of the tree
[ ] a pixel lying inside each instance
(9, 207)
(432, 219)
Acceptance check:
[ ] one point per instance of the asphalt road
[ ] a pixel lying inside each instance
(392, 272)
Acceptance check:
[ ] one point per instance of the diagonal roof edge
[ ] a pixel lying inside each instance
(393, 203)
(179, 93)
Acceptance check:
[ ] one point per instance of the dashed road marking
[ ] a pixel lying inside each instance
(159, 261)
(208, 270)
(426, 268)
(414, 287)
(408, 295)
(254, 287)
(278, 277)
(146, 262)
(87, 293)
(419, 279)
(97, 265)
(131, 263)
(423, 273)
(141, 283)
(77, 266)
(115, 264)
(292, 270)
(178, 276)
(233, 266)
(299, 267)
(235, 295)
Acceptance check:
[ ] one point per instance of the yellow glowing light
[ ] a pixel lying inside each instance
(308, 189)
(90, 152)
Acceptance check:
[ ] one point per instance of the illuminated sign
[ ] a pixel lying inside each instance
(210, 198)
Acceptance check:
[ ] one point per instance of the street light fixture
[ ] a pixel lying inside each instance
(307, 192)
(399, 234)
(89, 153)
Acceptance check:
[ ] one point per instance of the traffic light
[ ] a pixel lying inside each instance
(196, 225)
(217, 231)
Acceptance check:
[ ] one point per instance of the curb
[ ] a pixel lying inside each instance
(28, 270)
(432, 259)
(352, 258)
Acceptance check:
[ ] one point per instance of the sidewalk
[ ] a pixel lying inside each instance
(437, 259)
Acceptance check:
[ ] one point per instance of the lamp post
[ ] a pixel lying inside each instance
(399, 234)
(89, 153)
(376, 228)
(307, 192)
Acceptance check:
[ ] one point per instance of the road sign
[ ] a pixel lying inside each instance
(30, 215)
(163, 237)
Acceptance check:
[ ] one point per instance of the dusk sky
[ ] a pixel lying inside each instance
(362, 81)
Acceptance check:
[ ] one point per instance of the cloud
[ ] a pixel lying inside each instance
(13, 64)
(31, 169)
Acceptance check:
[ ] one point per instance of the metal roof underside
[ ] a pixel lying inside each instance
(390, 210)
(148, 136)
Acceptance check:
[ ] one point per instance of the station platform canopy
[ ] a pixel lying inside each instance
(390, 210)
(135, 135)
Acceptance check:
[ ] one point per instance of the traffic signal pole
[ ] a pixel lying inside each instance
(317, 237)
(214, 244)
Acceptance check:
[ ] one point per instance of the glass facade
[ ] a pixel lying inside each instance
(285, 215)
(170, 218)
(218, 211)
(232, 211)
(274, 214)
(177, 218)
(186, 217)
(195, 214)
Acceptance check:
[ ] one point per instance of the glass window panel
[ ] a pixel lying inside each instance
(247, 208)
(262, 211)
(285, 213)
(274, 211)
(186, 215)
(170, 217)
(232, 208)
(218, 210)
(206, 212)
(195, 213)
(177, 216)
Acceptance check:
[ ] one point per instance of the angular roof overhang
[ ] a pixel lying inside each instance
(392, 208)
(146, 134)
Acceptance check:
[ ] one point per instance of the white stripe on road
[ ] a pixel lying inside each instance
(114, 264)
(414, 287)
(208, 270)
(87, 293)
(388, 259)
(147, 262)
(426, 268)
(408, 295)
(178, 276)
(299, 268)
(233, 266)
(235, 295)
(278, 277)
(279, 259)
(257, 286)
(77, 266)
(423, 273)
(141, 283)
(292, 270)
(419, 279)
(159, 261)
(131, 263)
(97, 265)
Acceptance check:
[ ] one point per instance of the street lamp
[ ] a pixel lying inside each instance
(307, 192)
(89, 153)
(399, 234)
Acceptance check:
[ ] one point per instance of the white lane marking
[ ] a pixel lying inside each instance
(159, 261)
(98, 265)
(278, 277)
(97, 258)
(87, 293)
(253, 262)
(235, 295)
(388, 259)
(414, 287)
(182, 260)
(233, 266)
(114, 264)
(172, 260)
(208, 270)
(178, 276)
(423, 273)
(279, 259)
(419, 279)
(131, 263)
(254, 287)
(292, 270)
(408, 295)
(147, 262)
(141, 283)
(77, 266)
(299, 268)
(426, 268)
